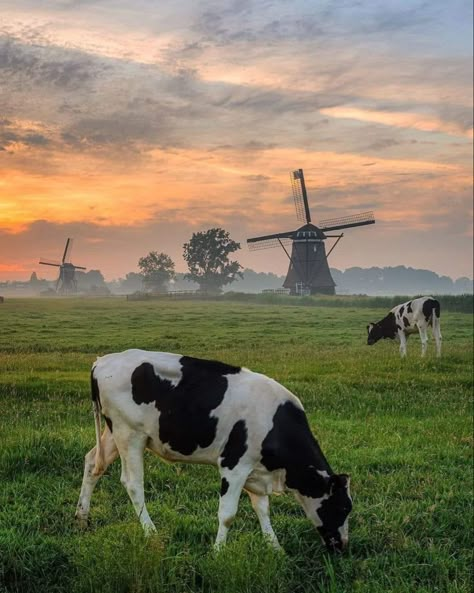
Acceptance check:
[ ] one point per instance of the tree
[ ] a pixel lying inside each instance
(132, 282)
(157, 269)
(87, 280)
(207, 256)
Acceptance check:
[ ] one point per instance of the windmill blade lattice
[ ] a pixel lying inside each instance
(344, 222)
(269, 243)
(299, 194)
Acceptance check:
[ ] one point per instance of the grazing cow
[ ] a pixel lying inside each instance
(203, 411)
(408, 318)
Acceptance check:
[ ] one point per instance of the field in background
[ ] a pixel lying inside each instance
(459, 303)
(402, 429)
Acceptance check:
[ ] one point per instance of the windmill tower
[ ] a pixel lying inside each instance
(66, 282)
(308, 272)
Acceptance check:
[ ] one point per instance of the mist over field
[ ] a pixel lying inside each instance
(353, 281)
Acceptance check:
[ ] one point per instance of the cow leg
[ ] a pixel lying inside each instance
(232, 482)
(90, 478)
(424, 339)
(261, 505)
(437, 336)
(131, 448)
(403, 343)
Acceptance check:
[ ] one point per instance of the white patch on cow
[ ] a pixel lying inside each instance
(311, 506)
(344, 532)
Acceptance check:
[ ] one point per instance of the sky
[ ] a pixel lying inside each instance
(131, 125)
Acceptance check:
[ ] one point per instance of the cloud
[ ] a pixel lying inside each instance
(46, 66)
(417, 121)
(130, 119)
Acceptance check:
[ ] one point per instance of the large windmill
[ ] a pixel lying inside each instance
(308, 272)
(66, 282)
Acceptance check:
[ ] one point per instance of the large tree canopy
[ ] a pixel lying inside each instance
(207, 256)
(156, 269)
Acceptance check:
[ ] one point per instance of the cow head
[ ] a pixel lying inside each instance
(330, 512)
(334, 513)
(374, 333)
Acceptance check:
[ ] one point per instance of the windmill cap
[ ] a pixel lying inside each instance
(309, 231)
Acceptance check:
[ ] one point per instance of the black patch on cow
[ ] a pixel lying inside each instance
(95, 388)
(406, 322)
(400, 311)
(224, 486)
(202, 366)
(399, 327)
(334, 510)
(290, 445)
(235, 446)
(185, 422)
(386, 328)
(108, 421)
(389, 326)
(429, 306)
(409, 308)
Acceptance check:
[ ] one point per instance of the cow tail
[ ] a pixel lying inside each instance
(99, 453)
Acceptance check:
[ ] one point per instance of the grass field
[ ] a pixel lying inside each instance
(402, 429)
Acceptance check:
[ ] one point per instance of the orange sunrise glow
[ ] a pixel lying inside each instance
(130, 127)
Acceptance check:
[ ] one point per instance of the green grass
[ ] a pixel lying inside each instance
(402, 429)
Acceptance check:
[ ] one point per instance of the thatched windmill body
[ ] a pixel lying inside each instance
(308, 271)
(66, 282)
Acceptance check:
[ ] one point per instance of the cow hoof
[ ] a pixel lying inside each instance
(149, 530)
(82, 521)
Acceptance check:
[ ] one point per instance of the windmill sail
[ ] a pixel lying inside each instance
(50, 262)
(269, 241)
(299, 194)
(345, 222)
(67, 250)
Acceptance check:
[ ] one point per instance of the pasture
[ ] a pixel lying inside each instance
(401, 428)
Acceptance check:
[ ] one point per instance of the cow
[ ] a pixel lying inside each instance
(408, 318)
(192, 410)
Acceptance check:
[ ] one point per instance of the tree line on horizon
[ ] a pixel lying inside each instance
(211, 270)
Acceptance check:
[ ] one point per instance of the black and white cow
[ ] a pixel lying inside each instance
(408, 318)
(202, 411)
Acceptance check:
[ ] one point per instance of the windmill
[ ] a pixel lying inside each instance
(66, 282)
(308, 272)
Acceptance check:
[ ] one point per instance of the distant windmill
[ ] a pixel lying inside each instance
(66, 282)
(308, 272)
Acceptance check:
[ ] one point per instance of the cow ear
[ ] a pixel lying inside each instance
(369, 327)
(345, 479)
